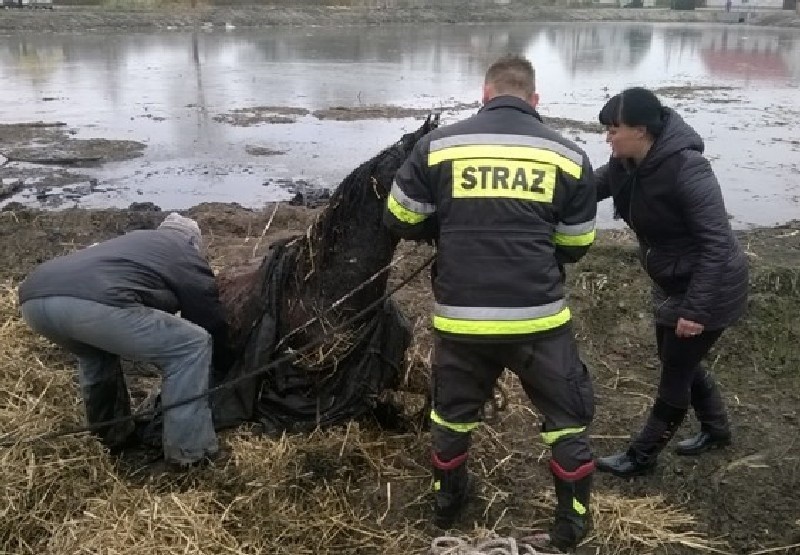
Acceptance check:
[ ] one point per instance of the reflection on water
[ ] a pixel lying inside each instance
(739, 53)
(602, 48)
(165, 88)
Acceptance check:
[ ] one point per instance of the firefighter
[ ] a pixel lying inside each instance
(508, 202)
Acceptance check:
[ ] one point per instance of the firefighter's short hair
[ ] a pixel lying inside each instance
(512, 75)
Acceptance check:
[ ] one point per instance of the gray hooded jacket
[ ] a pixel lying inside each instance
(157, 268)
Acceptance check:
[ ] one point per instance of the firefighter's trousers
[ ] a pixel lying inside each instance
(552, 374)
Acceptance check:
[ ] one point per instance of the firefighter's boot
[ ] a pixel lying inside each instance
(573, 491)
(642, 455)
(572, 518)
(451, 489)
(715, 431)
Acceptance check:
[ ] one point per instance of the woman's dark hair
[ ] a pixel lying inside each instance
(634, 107)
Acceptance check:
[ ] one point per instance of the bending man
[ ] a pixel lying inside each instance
(118, 299)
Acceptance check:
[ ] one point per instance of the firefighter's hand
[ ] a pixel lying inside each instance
(687, 328)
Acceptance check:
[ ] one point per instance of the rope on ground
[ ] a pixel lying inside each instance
(450, 545)
(290, 357)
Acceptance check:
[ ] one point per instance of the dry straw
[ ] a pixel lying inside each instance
(354, 489)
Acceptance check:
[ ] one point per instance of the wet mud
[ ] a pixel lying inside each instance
(261, 115)
(258, 115)
(260, 150)
(54, 143)
(357, 113)
(46, 159)
(708, 93)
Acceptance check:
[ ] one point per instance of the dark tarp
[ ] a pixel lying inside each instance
(291, 397)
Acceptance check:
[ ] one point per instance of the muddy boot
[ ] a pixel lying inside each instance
(572, 520)
(108, 400)
(709, 407)
(451, 487)
(642, 455)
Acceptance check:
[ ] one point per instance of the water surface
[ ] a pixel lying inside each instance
(737, 85)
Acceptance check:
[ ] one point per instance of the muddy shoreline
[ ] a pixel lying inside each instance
(730, 495)
(92, 18)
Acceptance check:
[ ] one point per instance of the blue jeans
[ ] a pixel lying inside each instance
(100, 334)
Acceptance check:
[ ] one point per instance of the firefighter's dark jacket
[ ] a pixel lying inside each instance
(156, 268)
(508, 201)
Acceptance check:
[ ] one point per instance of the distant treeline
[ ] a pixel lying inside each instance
(296, 3)
(374, 3)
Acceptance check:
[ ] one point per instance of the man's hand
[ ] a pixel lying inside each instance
(687, 328)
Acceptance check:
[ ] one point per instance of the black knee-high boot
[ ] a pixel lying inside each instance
(710, 410)
(451, 488)
(642, 455)
(573, 491)
(109, 400)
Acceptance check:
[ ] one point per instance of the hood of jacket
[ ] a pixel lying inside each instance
(676, 136)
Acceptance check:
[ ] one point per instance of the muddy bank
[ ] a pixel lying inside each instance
(45, 158)
(260, 115)
(43, 164)
(732, 495)
(85, 18)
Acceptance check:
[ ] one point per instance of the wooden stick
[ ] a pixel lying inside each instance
(266, 227)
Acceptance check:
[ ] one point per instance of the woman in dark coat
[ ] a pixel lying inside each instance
(667, 193)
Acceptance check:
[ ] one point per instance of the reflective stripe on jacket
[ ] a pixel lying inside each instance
(509, 201)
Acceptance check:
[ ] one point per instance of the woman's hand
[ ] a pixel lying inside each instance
(687, 328)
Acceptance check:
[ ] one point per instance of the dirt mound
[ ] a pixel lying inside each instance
(52, 143)
(245, 117)
(50, 155)
(359, 489)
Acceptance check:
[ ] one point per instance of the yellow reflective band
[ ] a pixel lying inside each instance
(551, 437)
(517, 179)
(459, 427)
(404, 214)
(437, 485)
(508, 153)
(582, 240)
(578, 507)
(502, 327)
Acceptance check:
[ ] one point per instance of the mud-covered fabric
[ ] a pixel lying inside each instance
(291, 397)
(674, 204)
(258, 313)
(298, 399)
